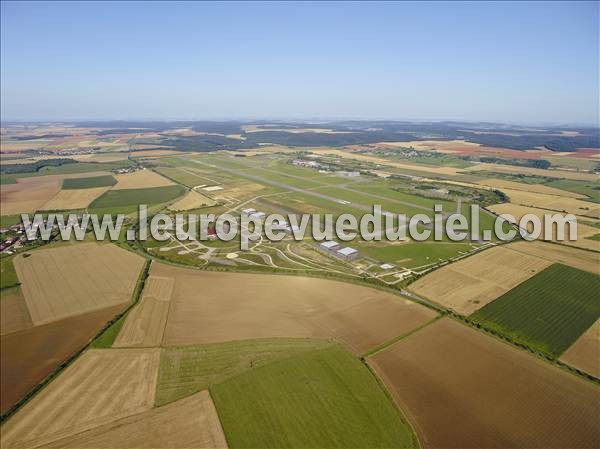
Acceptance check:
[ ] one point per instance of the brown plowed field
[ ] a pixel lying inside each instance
(214, 307)
(469, 284)
(14, 315)
(461, 388)
(188, 423)
(100, 387)
(74, 279)
(584, 354)
(28, 356)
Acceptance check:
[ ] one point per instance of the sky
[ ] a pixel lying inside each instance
(518, 62)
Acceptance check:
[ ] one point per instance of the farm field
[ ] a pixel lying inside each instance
(558, 174)
(29, 193)
(589, 189)
(29, 355)
(236, 306)
(69, 280)
(192, 200)
(73, 198)
(471, 283)
(14, 315)
(553, 203)
(145, 324)
(185, 176)
(185, 370)
(124, 388)
(127, 200)
(576, 258)
(502, 184)
(583, 354)
(141, 179)
(456, 384)
(322, 398)
(89, 183)
(583, 230)
(547, 312)
(190, 423)
(8, 275)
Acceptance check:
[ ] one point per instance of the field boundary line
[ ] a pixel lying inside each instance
(65, 364)
(393, 341)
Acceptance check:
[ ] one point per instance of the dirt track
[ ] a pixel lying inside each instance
(461, 388)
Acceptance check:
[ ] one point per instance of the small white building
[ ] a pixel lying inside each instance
(347, 253)
(248, 211)
(386, 266)
(329, 246)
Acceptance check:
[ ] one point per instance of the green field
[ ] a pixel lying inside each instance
(412, 255)
(323, 398)
(183, 177)
(9, 220)
(127, 201)
(79, 167)
(189, 369)
(8, 275)
(548, 312)
(590, 189)
(88, 183)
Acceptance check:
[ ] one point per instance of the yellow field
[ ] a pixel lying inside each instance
(141, 179)
(28, 194)
(553, 202)
(584, 353)
(145, 324)
(192, 200)
(155, 153)
(70, 280)
(471, 283)
(536, 188)
(559, 174)
(14, 315)
(191, 423)
(100, 387)
(583, 230)
(577, 258)
(73, 198)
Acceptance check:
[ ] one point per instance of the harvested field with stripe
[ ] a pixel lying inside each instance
(576, 258)
(29, 355)
(73, 198)
(74, 279)
(190, 423)
(584, 354)
(100, 387)
(462, 388)
(145, 324)
(469, 284)
(14, 315)
(141, 179)
(236, 306)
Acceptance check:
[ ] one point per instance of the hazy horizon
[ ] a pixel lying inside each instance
(515, 63)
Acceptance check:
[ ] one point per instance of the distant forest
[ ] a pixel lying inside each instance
(355, 132)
